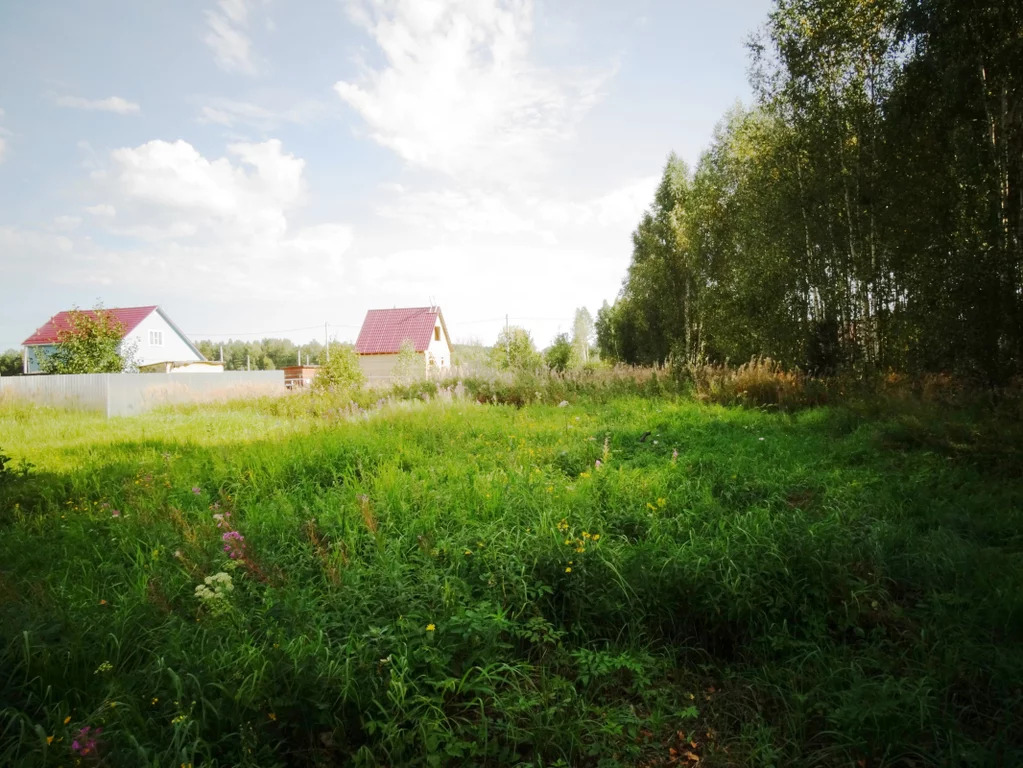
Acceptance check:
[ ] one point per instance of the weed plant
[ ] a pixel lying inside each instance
(630, 578)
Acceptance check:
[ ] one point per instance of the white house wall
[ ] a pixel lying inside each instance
(173, 348)
(440, 350)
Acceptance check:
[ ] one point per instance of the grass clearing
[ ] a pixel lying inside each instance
(629, 580)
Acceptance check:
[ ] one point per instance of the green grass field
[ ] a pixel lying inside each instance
(450, 583)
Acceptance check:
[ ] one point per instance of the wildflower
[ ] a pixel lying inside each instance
(106, 666)
(271, 715)
(674, 456)
(598, 463)
(584, 474)
(153, 700)
(568, 569)
(596, 537)
(115, 513)
(431, 627)
(49, 739)
(196, 490)
(67, 719)
(661, 502)
(86, 741)
(102, 602)
(468, 552)
(760, 439)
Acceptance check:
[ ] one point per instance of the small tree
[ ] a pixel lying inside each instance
(10, 363)
(514, 349)
(559, 353)
(409, 364)
(582, 334)
(93, 342)
(341, 374)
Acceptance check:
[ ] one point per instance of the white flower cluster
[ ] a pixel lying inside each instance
(216, 588)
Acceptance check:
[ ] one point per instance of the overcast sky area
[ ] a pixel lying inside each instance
(260, 167)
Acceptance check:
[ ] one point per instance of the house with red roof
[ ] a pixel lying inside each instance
(384, 331)
(159, 344)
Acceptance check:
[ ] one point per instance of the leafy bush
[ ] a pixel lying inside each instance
(341, 375)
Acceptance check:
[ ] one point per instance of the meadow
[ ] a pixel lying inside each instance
(634, 578)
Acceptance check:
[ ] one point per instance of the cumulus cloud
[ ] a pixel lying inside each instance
(179, 219)
(114, 104)
(226, 37)
(168, 189)
(458, 92)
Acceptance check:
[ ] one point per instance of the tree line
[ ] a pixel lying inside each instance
(865, 214)
(263, 354)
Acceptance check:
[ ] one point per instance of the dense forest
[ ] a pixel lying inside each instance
(864, 215)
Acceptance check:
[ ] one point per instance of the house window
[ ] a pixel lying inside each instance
(436, 333)
(156, 338)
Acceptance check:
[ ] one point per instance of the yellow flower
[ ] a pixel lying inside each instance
(272, 715)
(431, 627)
(49, 739)
(651, 507)
(67, 719)
(661, 502)
(154, 700)
(568, 569)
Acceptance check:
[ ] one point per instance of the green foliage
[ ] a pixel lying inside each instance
(10, 363)
(341, 374)
(816, 588)
(409, 364)
(865, 215)
(265, 354)
(558, 355)
(582, 335)
(92, 343)
(514, 350)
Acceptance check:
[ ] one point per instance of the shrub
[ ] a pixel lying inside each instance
(341, 374)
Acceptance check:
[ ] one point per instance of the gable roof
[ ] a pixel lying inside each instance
(384, 330)
(48, 333)
(129, 317)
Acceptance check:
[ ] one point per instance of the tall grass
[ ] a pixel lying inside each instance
(632, 578)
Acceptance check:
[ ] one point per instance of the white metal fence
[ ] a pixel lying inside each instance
(125, 394)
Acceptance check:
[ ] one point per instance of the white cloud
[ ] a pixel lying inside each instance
(459, 93)
(472, 211)
(107, 211)
(226, 37)
(67, 223)
(231, 113)
(3, 148)
(169, 190)
(222, 223)
(113, 104)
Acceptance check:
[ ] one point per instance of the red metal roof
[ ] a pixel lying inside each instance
(384, 330)
(129, 317)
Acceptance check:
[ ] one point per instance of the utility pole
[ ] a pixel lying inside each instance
(247, 362)
(221, 353)
(300, 355)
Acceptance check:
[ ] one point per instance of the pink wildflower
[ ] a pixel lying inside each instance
(196, 490)
(115, 513)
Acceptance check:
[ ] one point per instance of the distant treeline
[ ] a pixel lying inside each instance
(261, 355)
(863, 215)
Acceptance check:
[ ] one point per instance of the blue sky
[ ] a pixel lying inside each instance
(259, 167)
